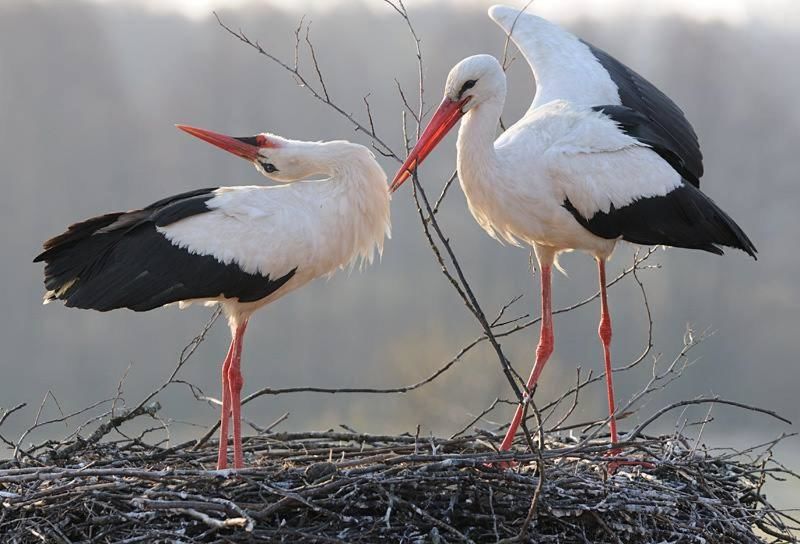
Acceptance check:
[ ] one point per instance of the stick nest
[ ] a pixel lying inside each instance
(350, 487)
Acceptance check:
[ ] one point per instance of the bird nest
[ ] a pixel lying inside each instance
(351, 487)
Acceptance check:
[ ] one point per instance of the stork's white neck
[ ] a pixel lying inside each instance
(477, 158)
(357, 192)
(343, 191)
(337, 160)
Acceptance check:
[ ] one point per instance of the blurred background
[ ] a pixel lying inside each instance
(89, 93)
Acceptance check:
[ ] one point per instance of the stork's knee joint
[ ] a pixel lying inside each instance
(545, 348)
(604, 331)
(236, 381)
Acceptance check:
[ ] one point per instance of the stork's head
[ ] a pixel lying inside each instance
(475, 80)
(472, 82)
(277, 158)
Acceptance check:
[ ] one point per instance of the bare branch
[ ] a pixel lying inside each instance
(304, 83)
(316, 64)
(10, 411)
(715, 400)
(443, 194)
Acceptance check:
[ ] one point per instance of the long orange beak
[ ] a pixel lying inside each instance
(446, 116)
(246, 148)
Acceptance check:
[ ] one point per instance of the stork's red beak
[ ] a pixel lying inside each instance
(446, 116)
(246, 147)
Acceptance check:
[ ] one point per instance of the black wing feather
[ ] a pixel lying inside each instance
(120, 260)
(684, 217)
(664, 118)
(637, 125)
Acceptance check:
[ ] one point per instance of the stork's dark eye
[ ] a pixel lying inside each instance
(268, 167)
(467, 85)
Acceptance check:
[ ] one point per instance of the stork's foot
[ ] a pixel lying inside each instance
(222, 463)
(238, 464)
(222, 456)
(502, 465)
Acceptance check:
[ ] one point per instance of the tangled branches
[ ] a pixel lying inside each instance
(345, 486)
(351, 487)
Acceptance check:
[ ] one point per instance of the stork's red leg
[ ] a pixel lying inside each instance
(543, 351)
(235, 383)
(222, 454)
(604, 331)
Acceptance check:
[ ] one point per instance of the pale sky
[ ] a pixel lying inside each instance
(782, 12)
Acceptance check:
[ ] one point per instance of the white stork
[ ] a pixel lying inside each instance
(600, 156)
(240, 247)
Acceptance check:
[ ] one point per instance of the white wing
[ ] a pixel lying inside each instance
(251, 227)
(563, 66)
(314, 227)
(597, 166)
(567, 68)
